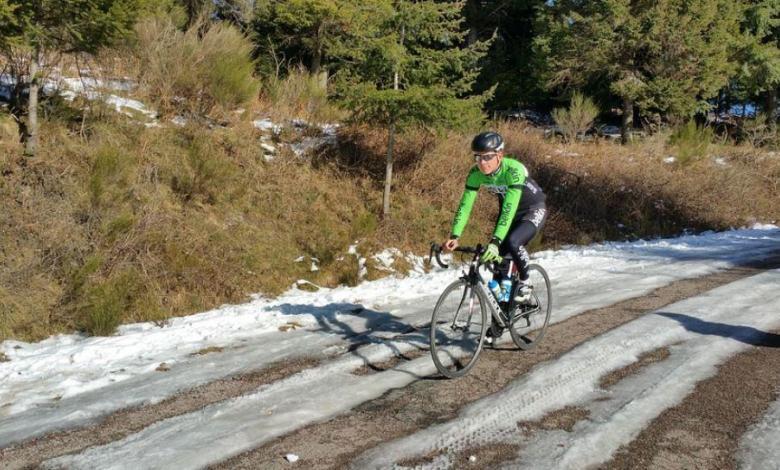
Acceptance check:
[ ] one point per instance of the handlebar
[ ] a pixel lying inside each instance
(436, 250)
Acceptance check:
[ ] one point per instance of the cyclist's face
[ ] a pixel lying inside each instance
(488, 162)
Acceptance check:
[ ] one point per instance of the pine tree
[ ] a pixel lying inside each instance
(759, 72)
(509, 65)
(414, 69)
(667, 56)
(42, 27)
(313, 32)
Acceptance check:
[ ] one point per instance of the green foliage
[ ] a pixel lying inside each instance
(7, 16)
(691, 142)
(107, 302)
(109, 173)
(68, 25)
(363, 225)
(172, 10)
(200, 172)
(759, 57)
(414, 106)
(578, 118)
(668, 56)
(415, 69)
(314, 32)
(759, 131)
(509, 65)
(211, 69)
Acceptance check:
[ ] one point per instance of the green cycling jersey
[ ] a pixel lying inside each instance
(511, 183)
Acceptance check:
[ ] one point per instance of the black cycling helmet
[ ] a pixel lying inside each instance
(487, 142)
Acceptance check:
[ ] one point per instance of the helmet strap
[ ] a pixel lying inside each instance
(498, 168)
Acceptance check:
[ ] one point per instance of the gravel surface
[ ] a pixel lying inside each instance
(701, 432)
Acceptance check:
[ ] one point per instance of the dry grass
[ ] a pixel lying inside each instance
(114, 222)
(298, 95)
(204, 70)
(602, 190)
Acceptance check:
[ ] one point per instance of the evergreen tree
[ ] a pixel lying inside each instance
(6, 17)
(415, 69)
(667, 56)
(312, 31)
(509, 64)
(42, 27)
(759, 72)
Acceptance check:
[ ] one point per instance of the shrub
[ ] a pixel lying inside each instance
(109, 171)
(758, 132)
(205, 69)
(200, 171)
(299, 94)
(106, 304)
(578, 118)
(691, 142)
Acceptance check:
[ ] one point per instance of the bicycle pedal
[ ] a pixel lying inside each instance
(523, 294)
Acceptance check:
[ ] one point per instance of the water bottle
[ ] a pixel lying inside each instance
(495, 288)
(506, 289)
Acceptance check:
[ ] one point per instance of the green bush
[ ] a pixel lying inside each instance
(106, 303)
(758, 131)
(299, 94)
(204, 69)
(200, 172)
(691, 142)
(578, 118)
(109, 171)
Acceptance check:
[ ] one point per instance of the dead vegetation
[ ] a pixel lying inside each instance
(115, 222)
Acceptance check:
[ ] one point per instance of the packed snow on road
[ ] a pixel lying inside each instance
(71, 380)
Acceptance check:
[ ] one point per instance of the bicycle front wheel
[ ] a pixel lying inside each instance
(531, 316)
(458, 328)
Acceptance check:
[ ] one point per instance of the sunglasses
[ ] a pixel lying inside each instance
(484, 157)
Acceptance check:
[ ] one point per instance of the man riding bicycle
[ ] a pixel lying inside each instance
(522, 203)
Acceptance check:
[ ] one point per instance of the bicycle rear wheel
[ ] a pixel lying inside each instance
(458, 328)
(530, 317)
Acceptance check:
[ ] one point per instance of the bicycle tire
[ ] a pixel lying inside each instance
(455, 350)
(530, 319)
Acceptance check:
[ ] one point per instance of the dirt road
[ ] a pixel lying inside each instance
(700, 432)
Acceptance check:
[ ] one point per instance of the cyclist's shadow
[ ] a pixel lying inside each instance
(358, 325)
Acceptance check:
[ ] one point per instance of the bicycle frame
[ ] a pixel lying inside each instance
(474, 278)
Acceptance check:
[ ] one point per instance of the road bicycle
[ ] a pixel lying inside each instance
(460, 322)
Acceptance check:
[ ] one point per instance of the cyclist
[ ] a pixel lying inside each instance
(522, 208)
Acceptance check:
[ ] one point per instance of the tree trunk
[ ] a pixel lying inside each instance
(31, 140)
(390, 144)
(770, 107)
(316, 62)
(628, 116)
(388, 172)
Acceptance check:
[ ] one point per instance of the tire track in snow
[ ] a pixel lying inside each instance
(331, 411)
(123, 423)
(334, 443)
(704, 429)
(704, 323)
(758, 448)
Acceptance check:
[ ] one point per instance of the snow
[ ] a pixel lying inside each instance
(705, 333)
(69, 380)
(266, 124)
(758, 449)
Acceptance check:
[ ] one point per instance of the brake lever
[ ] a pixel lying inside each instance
(435, 248)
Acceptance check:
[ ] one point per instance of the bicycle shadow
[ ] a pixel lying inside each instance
(744, 334)
(360, 326)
